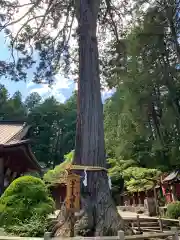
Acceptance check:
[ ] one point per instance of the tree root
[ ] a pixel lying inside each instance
(87, 224)
(99, 215)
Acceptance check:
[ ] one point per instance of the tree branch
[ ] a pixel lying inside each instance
(22, 17)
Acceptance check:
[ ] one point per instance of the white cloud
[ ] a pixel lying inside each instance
(30, 84)
(41, 90)
(107, 93)
(55, 90)
(61, 82)
(45, 91)
(61, 89)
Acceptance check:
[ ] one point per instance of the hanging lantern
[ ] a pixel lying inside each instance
(73, 192)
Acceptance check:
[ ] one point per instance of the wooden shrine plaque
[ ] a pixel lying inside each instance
(73, 192)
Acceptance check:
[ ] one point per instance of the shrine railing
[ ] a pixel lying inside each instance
(173, 233)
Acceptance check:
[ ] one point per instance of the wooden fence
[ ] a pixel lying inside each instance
(140, 224)
(173, 233)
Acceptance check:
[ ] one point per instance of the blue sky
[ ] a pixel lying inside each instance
(62, 89)
(11, 86)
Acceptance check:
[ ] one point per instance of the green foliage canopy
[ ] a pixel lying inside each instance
(139, 179)
(136, 178)
(142, 118)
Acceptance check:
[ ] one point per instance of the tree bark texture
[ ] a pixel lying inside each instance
(100, 216)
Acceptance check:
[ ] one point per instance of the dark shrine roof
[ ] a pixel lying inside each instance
(13, 143)
(172, 176)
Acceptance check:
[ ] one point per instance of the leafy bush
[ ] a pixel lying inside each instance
(173, 210)
(118, 166)
(52, 176)
(25, 201)
(33, 227)
(140, 179)
(136, 178)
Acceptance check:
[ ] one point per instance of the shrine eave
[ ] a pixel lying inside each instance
(13, 144)
(173, 176)
(22, 150)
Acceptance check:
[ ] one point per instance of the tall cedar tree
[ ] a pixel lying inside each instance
(47, 26)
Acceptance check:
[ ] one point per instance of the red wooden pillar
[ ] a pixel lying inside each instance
(1, 175)
(131, 200)
(136, 198)
(141, 198)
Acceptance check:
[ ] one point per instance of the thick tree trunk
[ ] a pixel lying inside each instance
(103, 219)
(100, 213)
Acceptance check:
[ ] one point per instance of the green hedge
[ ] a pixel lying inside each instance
(25, 201)
(173, 210)
(33, 227)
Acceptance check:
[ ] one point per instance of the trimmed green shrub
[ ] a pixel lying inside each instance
(34, 227)
(173, 210)
(25, 201)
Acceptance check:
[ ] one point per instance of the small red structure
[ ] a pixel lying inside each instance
(58, 189)
(136, 198)
(171, 186)
(16, 157)
(58, 192)
(66, 188)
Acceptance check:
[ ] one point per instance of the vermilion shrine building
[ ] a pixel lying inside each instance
(171, 186)
(16, 157)
(168, 186)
